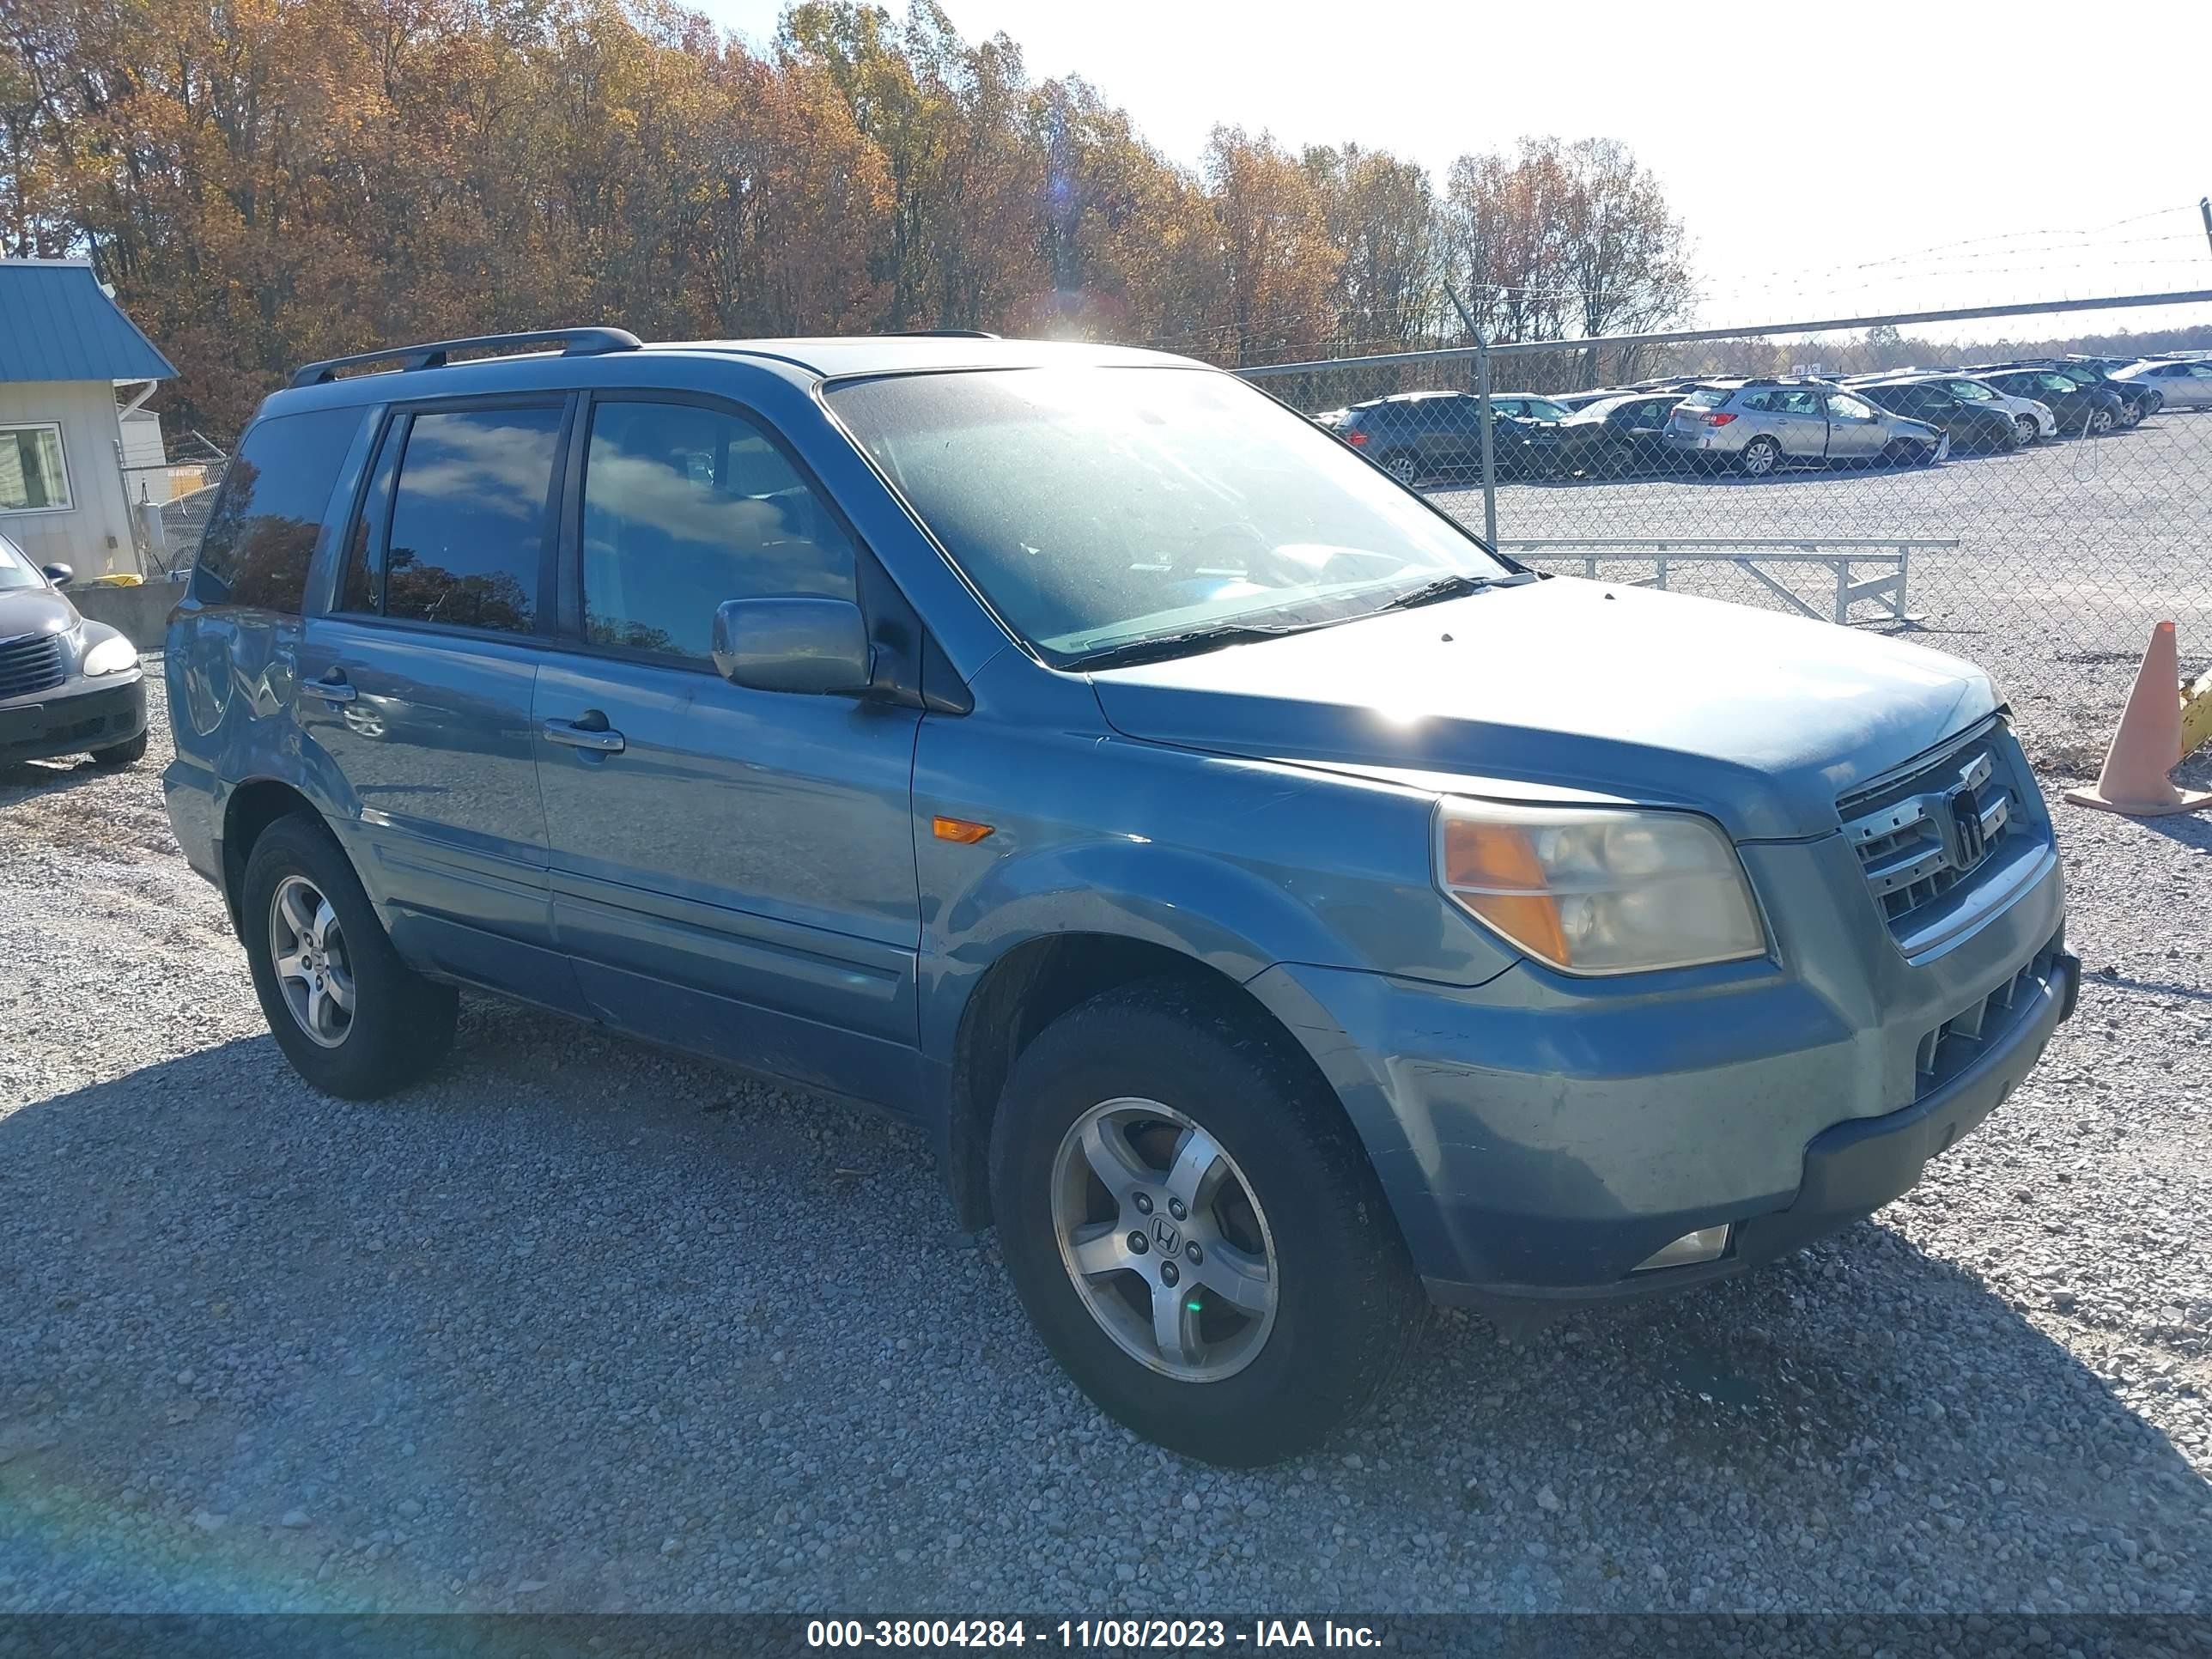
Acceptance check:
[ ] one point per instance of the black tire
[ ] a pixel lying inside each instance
(121, 754)
(2026, 430)
(1347, 1306)
(400, 1025)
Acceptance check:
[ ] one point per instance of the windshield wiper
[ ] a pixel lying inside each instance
(1186, 643)
(1456, 586)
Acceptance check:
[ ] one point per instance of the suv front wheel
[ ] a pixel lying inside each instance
(1194, 1229)
(353, 1019)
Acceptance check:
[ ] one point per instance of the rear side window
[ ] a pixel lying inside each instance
(470, 507)
(261, 535)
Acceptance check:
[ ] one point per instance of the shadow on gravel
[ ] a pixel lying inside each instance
(576, 1326)
(24, 780)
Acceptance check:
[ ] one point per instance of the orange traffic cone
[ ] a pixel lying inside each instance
(2145, 747)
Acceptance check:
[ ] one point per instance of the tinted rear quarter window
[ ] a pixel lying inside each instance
(261, 535)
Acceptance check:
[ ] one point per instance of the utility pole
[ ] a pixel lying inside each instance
(1482, 414)
(2204, 207)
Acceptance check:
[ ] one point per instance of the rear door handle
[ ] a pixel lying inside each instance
(332, 688)
(599, 740)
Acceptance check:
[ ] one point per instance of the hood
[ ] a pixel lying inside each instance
(34, 610)
(1568, 688)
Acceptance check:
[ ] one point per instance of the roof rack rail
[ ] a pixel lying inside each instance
(575, 342)
(947, 334)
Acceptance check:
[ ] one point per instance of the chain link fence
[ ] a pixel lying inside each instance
(169, 505)
(2034, 514)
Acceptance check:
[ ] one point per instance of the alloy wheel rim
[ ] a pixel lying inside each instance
(315, 971)
(1759, 459)
(1163, 1241)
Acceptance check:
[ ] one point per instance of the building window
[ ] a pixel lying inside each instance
(32, 477)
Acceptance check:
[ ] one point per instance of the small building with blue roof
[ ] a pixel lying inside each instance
(71, 366)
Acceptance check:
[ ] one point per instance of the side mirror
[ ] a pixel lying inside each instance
(60, 574)
(794, 644)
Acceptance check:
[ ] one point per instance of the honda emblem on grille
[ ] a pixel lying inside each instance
(1968, 842)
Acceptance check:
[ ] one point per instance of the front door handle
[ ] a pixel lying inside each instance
(332, 688)
(576, 734)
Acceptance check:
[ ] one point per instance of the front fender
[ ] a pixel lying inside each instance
(1236, 863)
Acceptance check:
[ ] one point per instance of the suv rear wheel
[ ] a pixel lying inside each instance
(1404, 465)
(1194, 1229)
(353, 1019)
(1759, 457)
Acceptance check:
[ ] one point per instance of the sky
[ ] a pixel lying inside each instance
(1833, 159)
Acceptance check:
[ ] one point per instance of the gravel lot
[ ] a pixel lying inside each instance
(581, 1325)
(2066, 553)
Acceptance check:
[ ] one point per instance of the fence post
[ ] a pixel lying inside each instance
(1489, 451)
(1482, 414)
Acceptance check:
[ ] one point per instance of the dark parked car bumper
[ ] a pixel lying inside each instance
(74, 718)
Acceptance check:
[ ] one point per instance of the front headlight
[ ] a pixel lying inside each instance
(1597, 890)
(111, 656)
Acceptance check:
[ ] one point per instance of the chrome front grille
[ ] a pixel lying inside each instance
(1924, 836)
(29, 664)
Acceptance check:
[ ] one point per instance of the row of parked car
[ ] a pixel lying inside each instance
(1759, 427)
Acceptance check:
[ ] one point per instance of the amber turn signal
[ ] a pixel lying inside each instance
(966, 831)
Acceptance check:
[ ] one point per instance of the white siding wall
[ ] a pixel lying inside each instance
(93, 535)
(142, 448)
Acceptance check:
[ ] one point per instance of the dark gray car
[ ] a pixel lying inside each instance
(67, 686)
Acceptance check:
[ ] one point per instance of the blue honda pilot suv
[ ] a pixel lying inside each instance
(1277, 909)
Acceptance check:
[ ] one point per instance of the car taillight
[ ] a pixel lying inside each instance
(1717, 418)
(1355, 439)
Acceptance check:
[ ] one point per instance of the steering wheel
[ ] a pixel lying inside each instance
(1243, 543)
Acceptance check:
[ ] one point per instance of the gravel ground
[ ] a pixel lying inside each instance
(2067, 552)
(580, 1326)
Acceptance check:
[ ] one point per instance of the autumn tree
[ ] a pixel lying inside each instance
(267, 181)
(1279, 265)
(1563, 240)
(1381, 215)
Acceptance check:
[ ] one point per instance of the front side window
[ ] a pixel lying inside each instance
(33, 478)
(1100, 508)
(685, 507)
(260, 537)
(1973, 392)
(470, 507)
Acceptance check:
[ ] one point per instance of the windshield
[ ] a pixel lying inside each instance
(1099, 508)
(15, 570)
(1543, 409)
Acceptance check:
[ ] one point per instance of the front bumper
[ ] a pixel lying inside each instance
(75, 718)
(1852, 1170)
(1539, 1138)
